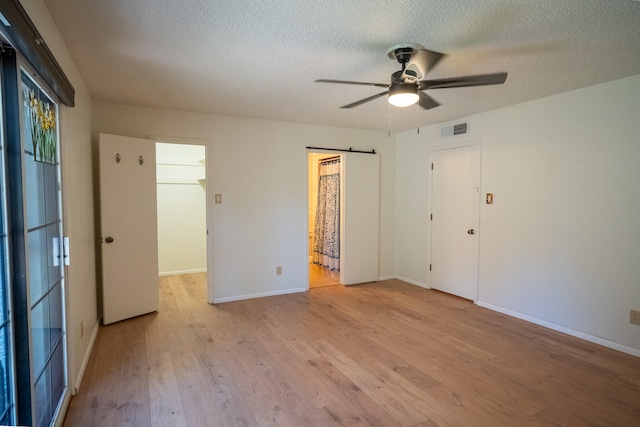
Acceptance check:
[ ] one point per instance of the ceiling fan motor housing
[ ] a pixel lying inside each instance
(398, 88)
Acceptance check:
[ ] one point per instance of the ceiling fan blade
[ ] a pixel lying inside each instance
(478, 80)
(362, 101)
(347, 82)
(427, 102)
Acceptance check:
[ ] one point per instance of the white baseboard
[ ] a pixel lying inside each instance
(59, 416)
(85, 360)
(258, 295)
(174, 273)
(413, 282)
(582, 335)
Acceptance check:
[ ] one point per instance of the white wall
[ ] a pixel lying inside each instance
(561, 243)
(78, 199)
(182, 227)
(260, 168)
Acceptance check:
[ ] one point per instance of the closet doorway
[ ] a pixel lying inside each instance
(182, 210)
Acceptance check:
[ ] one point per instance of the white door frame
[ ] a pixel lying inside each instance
(209, 199)
(354, 275)
(331, 154)
(451, 146)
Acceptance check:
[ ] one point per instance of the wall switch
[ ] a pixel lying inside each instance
(634, 317)
(218, 199)
(279, 270)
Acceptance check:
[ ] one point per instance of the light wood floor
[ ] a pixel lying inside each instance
(380, 354)
(320, 276)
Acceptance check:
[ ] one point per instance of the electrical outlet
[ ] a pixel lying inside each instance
(634, 317)
(279, 270)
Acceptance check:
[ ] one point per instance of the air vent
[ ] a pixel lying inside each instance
(454, 130)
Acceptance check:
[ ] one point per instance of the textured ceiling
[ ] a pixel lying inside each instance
(259, 59)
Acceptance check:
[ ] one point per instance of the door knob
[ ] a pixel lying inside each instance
(109, 239)
(470, 231)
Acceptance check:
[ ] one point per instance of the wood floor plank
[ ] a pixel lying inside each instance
(164, 395)
(133, 390)
(297, 373)
(102, 394)
(195, 394)
(380, 354)
(229, 403)
(356, 407)
(403, 410)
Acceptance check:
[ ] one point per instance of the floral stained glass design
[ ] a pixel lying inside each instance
(40, 120)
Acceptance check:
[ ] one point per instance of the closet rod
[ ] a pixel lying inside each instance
(350, 150)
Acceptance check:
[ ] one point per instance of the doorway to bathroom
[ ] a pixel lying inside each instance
(324, 220)
(344, 208)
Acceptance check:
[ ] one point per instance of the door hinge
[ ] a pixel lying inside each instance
(431, 217)
(429, 267)
(431, 166)
(57, 248)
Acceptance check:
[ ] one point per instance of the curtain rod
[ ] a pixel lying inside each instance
(350, 150)
(329, 159)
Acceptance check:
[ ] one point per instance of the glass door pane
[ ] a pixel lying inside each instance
(44, 235)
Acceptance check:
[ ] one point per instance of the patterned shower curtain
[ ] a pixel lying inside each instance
(326, 236)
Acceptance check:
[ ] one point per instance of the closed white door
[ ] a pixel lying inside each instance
(128, 217)
(360, 201)
(455, 221)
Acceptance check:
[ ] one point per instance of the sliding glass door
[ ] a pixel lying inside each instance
(33, 367)
(44, 249)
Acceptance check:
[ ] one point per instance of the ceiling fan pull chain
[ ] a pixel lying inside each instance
(417, 120)
(389, 120)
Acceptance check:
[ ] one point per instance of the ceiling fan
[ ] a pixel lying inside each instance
(407, 85)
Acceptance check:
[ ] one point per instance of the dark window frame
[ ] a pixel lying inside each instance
(23, 36)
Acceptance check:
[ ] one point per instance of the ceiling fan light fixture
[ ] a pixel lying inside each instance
(403, 95)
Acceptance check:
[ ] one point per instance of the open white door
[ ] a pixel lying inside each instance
(128, 227)
(454, 226)
(360, 202)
